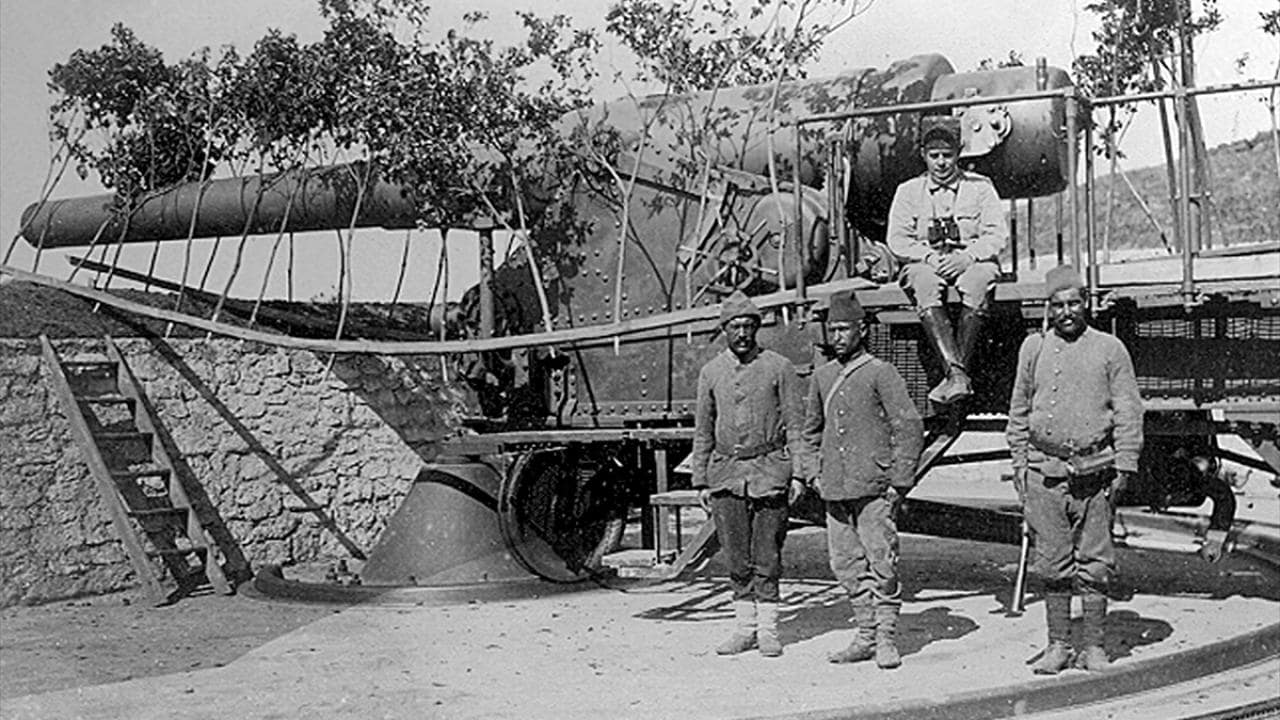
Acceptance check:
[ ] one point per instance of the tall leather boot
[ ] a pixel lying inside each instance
(744, 632)
(863, 646)
(887, 656)
(767, 629)
(1093, 657)
(1056, 657)
(968, 330)
(937, 328)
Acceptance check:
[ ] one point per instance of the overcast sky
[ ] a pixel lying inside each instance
(36, 34)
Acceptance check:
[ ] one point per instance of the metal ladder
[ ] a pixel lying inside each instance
(114, 425)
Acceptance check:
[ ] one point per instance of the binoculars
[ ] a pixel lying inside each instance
(944, 234)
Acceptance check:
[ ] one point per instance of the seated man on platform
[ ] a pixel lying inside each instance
(947, 226)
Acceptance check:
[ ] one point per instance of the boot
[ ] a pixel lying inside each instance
(1056, 657)
(863, 646)
(1093, 657)
(937, 328)
(767, 629)
(744, 633)
(887, 656)
(968, 330)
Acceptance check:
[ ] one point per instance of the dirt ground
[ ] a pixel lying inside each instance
(109, 638)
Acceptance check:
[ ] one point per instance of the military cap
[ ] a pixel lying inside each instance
(738, 305)
(1062, 277)
(844, 307)
(940, 129)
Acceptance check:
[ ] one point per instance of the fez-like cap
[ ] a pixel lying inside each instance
(844, 307)
(939, 130)
(738, 305)
(1063, 277)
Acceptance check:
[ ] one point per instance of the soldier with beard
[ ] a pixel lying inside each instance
(747, 418)
(1075, 433)
(863, 439)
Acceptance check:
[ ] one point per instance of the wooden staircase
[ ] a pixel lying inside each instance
(114, 426)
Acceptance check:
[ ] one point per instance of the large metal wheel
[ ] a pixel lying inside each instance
(562, 510)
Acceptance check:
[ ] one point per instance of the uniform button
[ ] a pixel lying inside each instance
(1055, 388)
(1057, 371)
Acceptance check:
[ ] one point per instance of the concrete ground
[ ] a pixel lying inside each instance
(626, 650)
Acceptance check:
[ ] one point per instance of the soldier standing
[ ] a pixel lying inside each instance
(947, 226)
(748, 417)
(1075, 432)
(865, 437)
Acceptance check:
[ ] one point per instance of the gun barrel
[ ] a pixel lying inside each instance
(295, 201)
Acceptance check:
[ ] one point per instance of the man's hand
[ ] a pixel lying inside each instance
(953, 263)
(704, 499)
(795, 490)
(1020, 485)
(1118, 484)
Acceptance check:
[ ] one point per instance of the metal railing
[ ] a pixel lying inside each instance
(1078, 116)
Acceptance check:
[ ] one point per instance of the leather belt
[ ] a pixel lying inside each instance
(1062, 453)
(746, 452)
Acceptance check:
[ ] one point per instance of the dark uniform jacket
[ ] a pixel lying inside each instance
(741, 441)
(1082, 398)
(870, 437)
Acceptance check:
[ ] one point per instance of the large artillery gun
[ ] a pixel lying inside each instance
(587, 410)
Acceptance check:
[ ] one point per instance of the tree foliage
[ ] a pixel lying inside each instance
(705, 44)
(1135, 42)
(450, 118)
(1137, 46)
(139, 123)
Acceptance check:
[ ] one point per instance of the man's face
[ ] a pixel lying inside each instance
(845, 337)
(741, 332)
(940, 160)
(1067, 312)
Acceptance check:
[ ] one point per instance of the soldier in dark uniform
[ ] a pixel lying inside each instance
(1075, 432)
(863, 439)
(746, 465)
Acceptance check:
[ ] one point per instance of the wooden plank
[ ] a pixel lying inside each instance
(698, 319)
(662, 537)
(704, 545)
(129, 387)
(675, 498)
(102, 478)
(1168, 269)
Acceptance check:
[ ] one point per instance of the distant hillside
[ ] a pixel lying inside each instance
(1246, 201)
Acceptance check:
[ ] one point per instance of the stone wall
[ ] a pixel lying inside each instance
(263, 433)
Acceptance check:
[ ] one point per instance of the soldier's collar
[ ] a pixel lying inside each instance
(953, 185)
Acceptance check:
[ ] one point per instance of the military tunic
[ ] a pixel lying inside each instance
(1071, 398)
(746, 448)
(972, 201)
(866, 439)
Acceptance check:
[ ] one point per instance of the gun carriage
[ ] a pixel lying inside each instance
(587, 413)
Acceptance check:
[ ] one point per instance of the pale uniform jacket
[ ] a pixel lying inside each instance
(1083, 396)
(970, 198)
(744, 406)
(870, 437)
